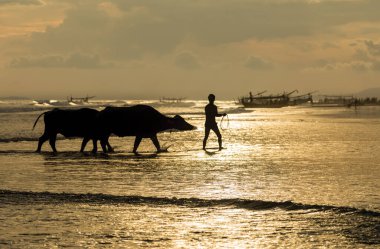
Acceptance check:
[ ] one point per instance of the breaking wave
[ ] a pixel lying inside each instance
(11, 197)
(15, 109)
(28, 139)
(237, 110)
(18, 139)
(200, 112)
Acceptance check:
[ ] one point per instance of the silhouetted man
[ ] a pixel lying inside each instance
(211, 112)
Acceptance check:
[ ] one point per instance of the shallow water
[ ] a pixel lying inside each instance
(290, 177)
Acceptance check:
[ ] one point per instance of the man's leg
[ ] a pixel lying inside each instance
(217, 132)
(207, 133)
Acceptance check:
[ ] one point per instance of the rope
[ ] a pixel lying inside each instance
(221, 123)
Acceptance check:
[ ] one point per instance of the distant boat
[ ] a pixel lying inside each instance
(171, 100)
(335, 101)
(79, 100)
(367, 101)
(269, 101)
(301, 99)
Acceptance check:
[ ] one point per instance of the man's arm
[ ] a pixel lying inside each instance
(219, 114)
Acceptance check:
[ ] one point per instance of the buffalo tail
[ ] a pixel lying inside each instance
(38, 119)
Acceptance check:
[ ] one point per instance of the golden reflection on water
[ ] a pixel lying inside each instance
(274, 157)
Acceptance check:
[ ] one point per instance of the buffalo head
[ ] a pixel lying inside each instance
(179, 123)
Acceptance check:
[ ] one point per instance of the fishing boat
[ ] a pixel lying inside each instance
(301, 99)
(334, 101)
(266, 101)
(171, 100)
(82, 100)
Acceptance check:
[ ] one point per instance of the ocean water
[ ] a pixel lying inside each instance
(295, 177)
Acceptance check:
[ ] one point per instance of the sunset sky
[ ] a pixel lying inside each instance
(176, 48)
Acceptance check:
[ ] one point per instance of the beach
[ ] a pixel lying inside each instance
(292, 177)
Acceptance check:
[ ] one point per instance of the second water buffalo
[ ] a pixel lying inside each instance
(141, 121)
(70, 123)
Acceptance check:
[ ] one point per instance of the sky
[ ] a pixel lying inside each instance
(140, 49)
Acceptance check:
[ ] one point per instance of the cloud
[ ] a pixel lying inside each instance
(359, 66)
(124, 30)
(327, 45)
(76, 60)
(361, 54)
(376, 66)
(113, 32)
(373, 48)
(22, 2)
(187, 60)
(256, 63)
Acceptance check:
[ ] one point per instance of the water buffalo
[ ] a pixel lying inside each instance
(141, 121)
(70, 123)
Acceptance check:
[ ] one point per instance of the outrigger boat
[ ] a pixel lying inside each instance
(175, 102)
(79, 100)
(334, 101)
(301, 99)
(268, 101)
(171, 100)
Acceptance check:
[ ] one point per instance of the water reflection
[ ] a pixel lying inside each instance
(175, 226)
(270, 157)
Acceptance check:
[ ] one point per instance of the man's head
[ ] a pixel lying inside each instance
(211, 98)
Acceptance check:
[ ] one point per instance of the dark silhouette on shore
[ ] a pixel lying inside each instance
(70, 123)
(211, 111)
(141, 121)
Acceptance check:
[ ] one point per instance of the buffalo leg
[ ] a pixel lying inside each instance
(84, 143)
(94, 145)
(52, 140)
(110, 149)
(156, 143)
(41, 141)
(137, 143)
(103, 143)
